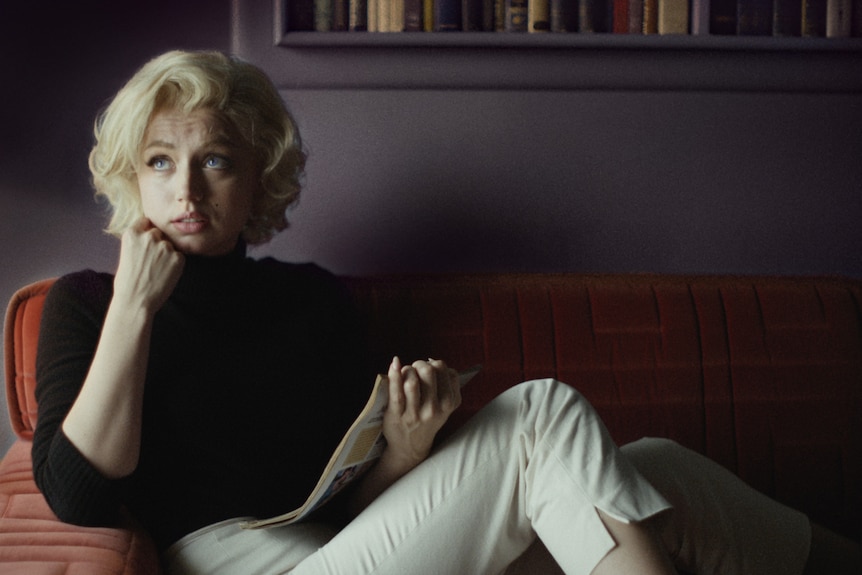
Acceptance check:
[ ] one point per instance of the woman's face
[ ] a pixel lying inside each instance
(197, 180)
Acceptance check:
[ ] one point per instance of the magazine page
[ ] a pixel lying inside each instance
(359, 448)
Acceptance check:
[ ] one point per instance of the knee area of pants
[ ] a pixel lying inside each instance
(652, 446)
(550, 388)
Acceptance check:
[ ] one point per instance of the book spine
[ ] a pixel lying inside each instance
(373, 15)
(754, 17)
(488, 15)
(787, 18)
(516, 16)
(564, 15)
(300, 16)
(396, 17)
(499, 15)
(593, 16)
(471, 16)
(722, 17)
(323, 15)
(636, 16)
(621, 16)
(340, 15)
(650, 18)
(814, 18)
(414, 16)
(700, 17)
(856, 18)
(673, 16)
(447, 15)
(428, 9)
(838, 18)
(358, 19)
(538, 16)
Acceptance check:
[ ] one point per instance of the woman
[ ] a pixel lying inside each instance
(184, 387)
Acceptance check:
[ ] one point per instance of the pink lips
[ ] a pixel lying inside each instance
(190, 223)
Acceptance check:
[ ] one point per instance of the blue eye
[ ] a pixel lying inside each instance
(217, 162)
(159, 163)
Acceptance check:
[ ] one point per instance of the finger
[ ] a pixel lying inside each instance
(412, 392)
(448, 385)
(396, 387)
(142, 224)
(430, 378)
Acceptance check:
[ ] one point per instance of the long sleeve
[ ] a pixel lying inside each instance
(71, 324)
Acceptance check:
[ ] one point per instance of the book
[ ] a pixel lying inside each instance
(594, 16)
(673, 16)
(516, 15)
(500, 15)
(360, 447)
(787, 18)
(300, 16)
(323, 15)
(340, 15)
(538, 16)
(447, 16)
(396, 16)
(386, 15)
(358, 17)
(621, 16)
(700, 17)
(373, 15)
(564, 15)
(838, 18)
(636, 16)
(414, 16)
(814, 18)
(722, 17)
(754, 17)
(650, 17)
(428, 15)
(477, 16)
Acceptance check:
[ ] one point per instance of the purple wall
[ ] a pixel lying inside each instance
(59, 62)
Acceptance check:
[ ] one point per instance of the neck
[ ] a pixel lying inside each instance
(209, 276)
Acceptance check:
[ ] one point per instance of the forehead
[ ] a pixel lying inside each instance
(203, 126)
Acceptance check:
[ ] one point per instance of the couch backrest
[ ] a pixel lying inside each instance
(762, 374)
(19, 341)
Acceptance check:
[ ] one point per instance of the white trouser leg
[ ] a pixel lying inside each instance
(719, 525)
(536, 460)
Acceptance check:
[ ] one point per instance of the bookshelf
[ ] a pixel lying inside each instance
(518, 61)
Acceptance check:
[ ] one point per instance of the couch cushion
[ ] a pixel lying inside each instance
(21, 334)
(35, 542)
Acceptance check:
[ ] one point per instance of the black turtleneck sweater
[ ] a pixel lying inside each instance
(255, 372)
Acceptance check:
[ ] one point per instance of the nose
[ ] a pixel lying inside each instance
(190, 186)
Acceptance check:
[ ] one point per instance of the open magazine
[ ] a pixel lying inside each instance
(359, 448)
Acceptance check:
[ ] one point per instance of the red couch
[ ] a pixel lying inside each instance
(762, 374)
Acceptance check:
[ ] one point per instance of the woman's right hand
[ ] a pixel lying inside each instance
(104, 423)
(149, 267)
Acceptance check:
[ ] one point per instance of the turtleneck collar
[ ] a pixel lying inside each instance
(210, 276)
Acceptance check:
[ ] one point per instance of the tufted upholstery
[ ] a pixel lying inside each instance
(764, 375)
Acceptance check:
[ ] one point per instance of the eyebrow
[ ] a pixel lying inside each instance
(220, 140)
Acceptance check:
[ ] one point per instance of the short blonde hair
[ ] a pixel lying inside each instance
(186, 81)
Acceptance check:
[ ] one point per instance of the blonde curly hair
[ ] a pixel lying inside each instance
(187, 81)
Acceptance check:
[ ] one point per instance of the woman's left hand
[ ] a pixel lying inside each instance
(422, 396)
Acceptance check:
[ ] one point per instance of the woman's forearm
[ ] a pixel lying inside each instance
(104, 423)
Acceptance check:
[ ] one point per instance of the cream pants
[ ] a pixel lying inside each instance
(535, 462)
